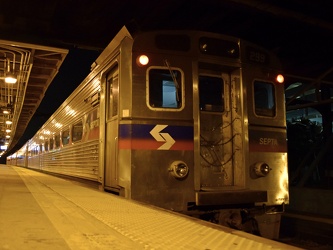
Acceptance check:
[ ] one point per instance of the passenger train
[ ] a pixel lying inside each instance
(189, 121)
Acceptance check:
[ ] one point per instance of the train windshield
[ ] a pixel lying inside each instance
(264, 98)
(211, 94)
(165, 89)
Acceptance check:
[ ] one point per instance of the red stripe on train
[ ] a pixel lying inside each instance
(142, 144)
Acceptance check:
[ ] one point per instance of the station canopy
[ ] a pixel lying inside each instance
(26, 71)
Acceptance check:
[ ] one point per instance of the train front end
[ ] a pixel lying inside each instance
(205, 130)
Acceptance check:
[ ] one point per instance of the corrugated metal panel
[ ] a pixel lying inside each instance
(75, 160)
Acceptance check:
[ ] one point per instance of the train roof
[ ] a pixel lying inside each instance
(124, 32)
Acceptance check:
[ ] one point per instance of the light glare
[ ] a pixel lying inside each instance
(280, 78)
(10, 79)
(143, 60)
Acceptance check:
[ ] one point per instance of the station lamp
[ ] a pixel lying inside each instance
(10, 78)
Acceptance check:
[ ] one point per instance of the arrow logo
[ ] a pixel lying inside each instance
(162, 137)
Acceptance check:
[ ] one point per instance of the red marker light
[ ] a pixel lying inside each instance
(280, 78)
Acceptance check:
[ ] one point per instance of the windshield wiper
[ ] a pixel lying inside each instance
(173, 78)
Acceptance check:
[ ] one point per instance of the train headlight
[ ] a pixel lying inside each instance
(261, 169)
(179, 169)
(142, 60)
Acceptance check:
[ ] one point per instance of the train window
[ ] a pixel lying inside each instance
(34, 151)
(218, 47)
(51, 143)
(65, 137)
(77, 130)
(57, 141)
(264, 98)
(211, 94)
(113, 88)
(165, 88)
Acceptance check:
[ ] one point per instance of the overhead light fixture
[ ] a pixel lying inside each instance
(10, 78)
(7, 110)
(9, 122)
(7, 136)
(8, 130)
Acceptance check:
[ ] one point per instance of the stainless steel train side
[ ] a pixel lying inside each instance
(198, 126)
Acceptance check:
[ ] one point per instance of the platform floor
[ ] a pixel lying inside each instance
(40, 211)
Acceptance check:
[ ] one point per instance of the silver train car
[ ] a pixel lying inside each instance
(188, 121)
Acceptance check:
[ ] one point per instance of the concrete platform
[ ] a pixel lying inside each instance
(40, 211)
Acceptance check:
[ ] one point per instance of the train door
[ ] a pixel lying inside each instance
(111, 129)
(220, 130)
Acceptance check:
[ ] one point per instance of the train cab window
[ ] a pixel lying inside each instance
(57, 141)
(264, 99)
(165, 88)
(211, 94)
(65, 137)
(77, 131)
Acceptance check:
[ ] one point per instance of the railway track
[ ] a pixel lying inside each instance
(307, 231)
